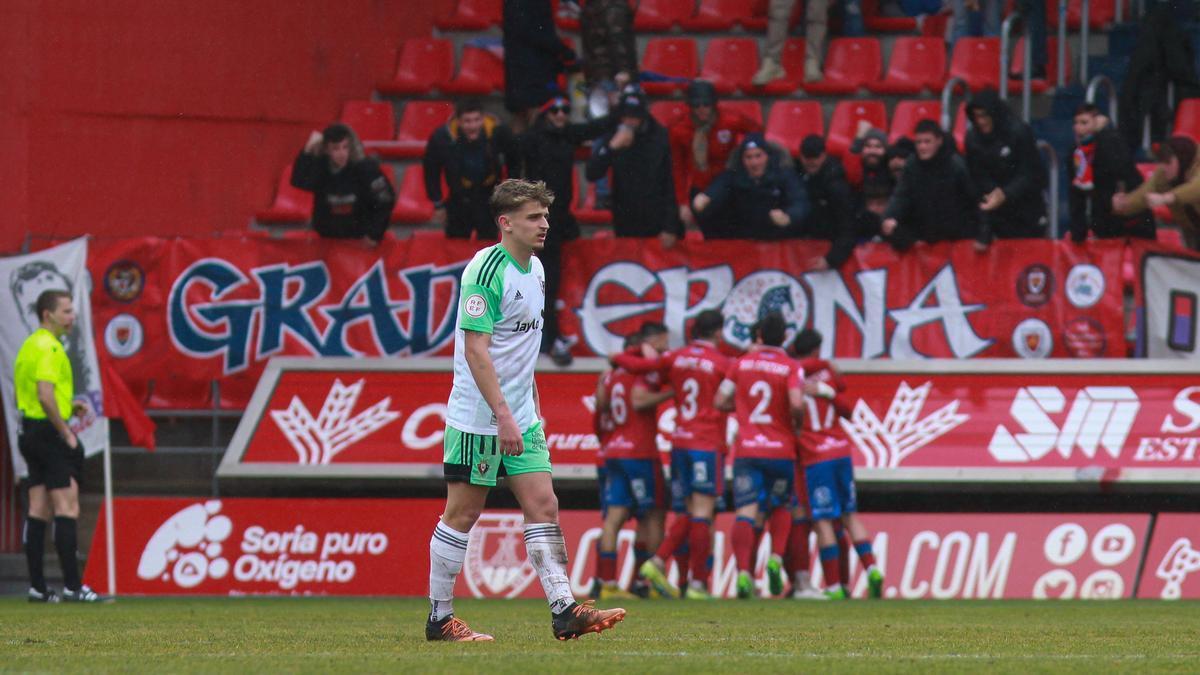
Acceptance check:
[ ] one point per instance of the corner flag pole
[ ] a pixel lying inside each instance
(110, 549)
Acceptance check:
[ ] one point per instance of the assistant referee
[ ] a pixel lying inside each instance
(44, 387)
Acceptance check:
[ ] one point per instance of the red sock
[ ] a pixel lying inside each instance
(606, 567)
(683, 560)
(843, 540)
(798, 558)
(758, 537)
(865, 554)
(743, 544)
(677, 533)
(829, 565)
(780, 525)
(700, 543)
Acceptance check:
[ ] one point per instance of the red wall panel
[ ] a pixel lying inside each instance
(128, 117)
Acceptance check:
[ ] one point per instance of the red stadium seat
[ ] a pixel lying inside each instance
(850, 63)
(661, 15)
(472, 15)
(423, 64)
(291, 205)
(729, 63)
(1101, 13)
(1187, 118)
(877, 23)
(916, 63)
(412, 206)
(417, 122)
(790, 121)
(843, 126)
(1171, 238)
(977, 60)
(792, 61)
(481, 72)
(719, 15)
(1018, 67)
(673, 57)
(666, 112)
(371, 120)
(906, 114)
(748, 108)
(586, 212)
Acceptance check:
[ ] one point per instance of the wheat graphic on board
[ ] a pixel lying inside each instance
(318, 441)
(886, 443)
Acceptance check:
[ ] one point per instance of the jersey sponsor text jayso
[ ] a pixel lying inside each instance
(197, 544)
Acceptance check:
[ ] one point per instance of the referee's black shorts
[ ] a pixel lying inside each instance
(51, 461)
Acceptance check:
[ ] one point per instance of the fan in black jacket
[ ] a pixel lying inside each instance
(832, 214)
(934, 199)
(1100, 166)
(548, 154)
(643, 186)
(759, 196)
(533, 54)
(351, 196)
(1005, 166)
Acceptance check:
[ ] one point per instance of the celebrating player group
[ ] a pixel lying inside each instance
(788, 445)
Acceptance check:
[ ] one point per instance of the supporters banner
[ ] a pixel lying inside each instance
(1167, 288)
(380, 547)
(63, 267)
(1172, 569)
(946, 420)
(178, 314)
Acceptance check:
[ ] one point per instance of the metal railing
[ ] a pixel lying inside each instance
(1093, 87)
(947, 97)
(1062, 43)
(1006, 31)
(1052, 158)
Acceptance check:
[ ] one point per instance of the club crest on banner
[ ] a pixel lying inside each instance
(123, 336)
(1032, 339)
(496, 564)
(1035, 285)
(124, 280)
(1085, 285)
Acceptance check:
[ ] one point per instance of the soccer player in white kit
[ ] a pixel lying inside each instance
(494, 421)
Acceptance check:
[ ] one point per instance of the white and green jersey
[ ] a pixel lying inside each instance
(500, 298)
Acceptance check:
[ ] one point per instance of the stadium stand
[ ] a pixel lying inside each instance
(667, 111)
(417, 122)
(670, 57)
(916, 64)
(850, 64)
(1038, 86)
(291, 206)
(1101, 14)
(721, 15)
(747, 108)
(585, 209)
(844, 124)
(472, 15)
(729, 63)
(878, 23)
(479, 72)
(422, 65)
(792, 61)
(661, 15)
(1187, 118)
(907, 113)
(373, 121)
(977, 61)
(412, 206)
(790, 121)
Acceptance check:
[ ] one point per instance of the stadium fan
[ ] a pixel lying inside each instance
(1100, 165)
(816, 27)
(832, 214)
(870, 144)
(638, 153)
(1007, 169)
(828, 472)
(548, 154)
(701, 143)
(759, 195)
(352, 199)
(634, 486)
(763, 387)
(1175, 184)
(935, 199)
(493, 421)
(609, 49)
(472, 150)
(534, 56)
(896, 157)
(868, 217)
(694, 372)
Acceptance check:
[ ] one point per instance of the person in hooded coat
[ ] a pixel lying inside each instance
(351, 196)
(1175, 184)
(1005, 166)
(935, 199)
(832, 214)
(643, 191)
(759, 196)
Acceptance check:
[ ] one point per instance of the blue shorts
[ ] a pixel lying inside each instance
(831, 491)
(692, 472)
(768, 482)
(636, 484)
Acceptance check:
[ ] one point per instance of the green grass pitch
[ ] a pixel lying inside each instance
(375, 635)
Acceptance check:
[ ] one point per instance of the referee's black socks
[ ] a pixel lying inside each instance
(65, 541)
(35, 551)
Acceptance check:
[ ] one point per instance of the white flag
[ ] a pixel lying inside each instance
(60, 268)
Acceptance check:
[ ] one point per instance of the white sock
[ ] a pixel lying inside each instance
(447, 550)
(803, 579)
(548, 552)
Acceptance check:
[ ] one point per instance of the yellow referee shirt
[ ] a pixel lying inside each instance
(43, 358)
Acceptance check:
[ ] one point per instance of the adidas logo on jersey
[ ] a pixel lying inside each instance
(519, 296)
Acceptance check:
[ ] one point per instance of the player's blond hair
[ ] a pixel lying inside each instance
(514, 193)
